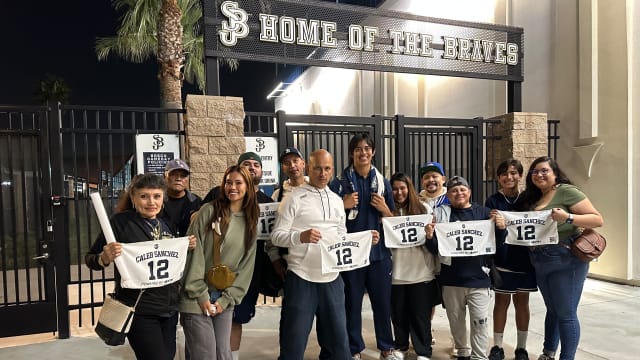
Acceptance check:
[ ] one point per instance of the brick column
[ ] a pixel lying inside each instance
(523, 137)
(214, 127)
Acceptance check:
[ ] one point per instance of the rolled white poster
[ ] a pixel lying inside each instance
(96, 200)
(105, 225)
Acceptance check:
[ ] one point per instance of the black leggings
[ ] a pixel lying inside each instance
(153, 337)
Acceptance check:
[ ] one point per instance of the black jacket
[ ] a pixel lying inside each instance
(178, 212)
(129, 227)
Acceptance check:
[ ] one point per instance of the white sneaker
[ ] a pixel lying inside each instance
(399, 354)
(390, 356)
(423, 358)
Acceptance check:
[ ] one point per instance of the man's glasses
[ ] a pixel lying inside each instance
(544, 171)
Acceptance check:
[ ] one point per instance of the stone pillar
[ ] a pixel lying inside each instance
(214, 127)
(524, 136)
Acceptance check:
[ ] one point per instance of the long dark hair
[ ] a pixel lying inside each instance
(532, 194)
(140, 181)
(412, 206)
(222, 207)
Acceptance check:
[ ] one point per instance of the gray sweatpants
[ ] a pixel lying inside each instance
(455, 300)
(208, 337)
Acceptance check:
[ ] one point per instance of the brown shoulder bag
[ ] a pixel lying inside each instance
(589, 245)
(220, 275)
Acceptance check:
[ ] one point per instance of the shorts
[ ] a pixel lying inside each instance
(246, 310)
(509, 282)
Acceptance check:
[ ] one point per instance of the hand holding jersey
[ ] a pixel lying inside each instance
(530, 228)
(405, 231)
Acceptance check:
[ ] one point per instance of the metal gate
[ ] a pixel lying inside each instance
(28, 298)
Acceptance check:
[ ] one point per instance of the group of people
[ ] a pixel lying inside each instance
(404, 284)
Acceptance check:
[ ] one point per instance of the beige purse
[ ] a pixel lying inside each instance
(115, 320)
(220, 275)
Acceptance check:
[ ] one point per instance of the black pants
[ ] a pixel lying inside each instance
(153, 337)
(411, 315)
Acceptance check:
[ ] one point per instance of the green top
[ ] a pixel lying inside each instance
(565, 197)
(194, 286)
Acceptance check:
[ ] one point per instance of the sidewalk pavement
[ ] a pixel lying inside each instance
(608, 313)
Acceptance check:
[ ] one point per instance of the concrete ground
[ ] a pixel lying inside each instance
(608, 313)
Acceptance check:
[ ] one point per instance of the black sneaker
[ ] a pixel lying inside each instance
(522, 354)
(497, 353)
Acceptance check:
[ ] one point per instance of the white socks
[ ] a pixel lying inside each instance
(497, 339)
(235, 354)
(522, 339)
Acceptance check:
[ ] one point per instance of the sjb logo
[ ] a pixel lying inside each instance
(260, 145)
(236, 27)
(158, 142)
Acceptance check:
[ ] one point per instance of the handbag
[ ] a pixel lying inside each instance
(219, 275)
(589, 245)
(115, 320)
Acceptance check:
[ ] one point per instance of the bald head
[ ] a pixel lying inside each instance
(320, 168)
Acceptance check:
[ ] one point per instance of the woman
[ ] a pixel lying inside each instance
(153, 331)
(513, 276)
(560, 275)
(414, 291)
(205, 311)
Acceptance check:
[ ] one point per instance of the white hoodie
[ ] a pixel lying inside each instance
(305, 208)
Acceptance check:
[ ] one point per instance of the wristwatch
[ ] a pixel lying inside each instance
(569, 219)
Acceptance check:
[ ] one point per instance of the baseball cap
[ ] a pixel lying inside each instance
(250, 156)
(431, 166)
(290, 150)
(457, 181)
(176, 164)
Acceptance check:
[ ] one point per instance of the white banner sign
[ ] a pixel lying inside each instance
(267, 148)
(346, 253)
(149, 264)
(466, 238)
(154, 151)
(267, 219)
(405, 231)
(530, 228)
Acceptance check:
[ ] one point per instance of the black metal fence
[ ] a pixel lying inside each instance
(51, 158)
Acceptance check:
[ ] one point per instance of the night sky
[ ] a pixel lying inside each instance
(41, 37)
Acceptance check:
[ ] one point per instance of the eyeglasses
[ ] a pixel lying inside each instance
(544, 171)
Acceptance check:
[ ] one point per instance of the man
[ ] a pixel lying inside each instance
(292, 165)
(465, 280)
(179, 203)
(367, 197)
(310, 215)
(244, 312)
(432, 180)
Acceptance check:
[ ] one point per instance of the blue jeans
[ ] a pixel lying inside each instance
(301, 302)
(560, 277)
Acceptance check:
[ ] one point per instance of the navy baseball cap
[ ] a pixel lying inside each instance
(176, 164)
(431, 166)
(290, 150)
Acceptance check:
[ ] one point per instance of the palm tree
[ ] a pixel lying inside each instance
(52, 89)
(170, 30)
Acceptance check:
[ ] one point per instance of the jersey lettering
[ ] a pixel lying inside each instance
(530, 228)
(267, 219)
(149, 264)
(466, 238)
(405, 231)
(346, 253)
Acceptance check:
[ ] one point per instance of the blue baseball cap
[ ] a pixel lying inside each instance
(290, 150)
(176, 164)
(431, 166)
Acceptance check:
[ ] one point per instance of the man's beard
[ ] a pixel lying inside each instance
(256, 181)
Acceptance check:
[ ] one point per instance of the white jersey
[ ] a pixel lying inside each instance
(405, 231)
(267, 219)
(149, 264)
(348, 252)
(466, 238)
(530, 228)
